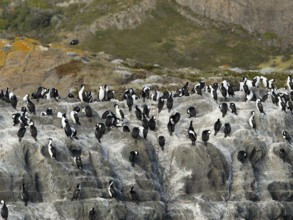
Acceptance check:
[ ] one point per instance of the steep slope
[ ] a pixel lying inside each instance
(181, 182)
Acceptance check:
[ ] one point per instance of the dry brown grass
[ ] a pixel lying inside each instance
(71, 68)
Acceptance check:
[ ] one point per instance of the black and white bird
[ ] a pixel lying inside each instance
(135, 133)
(242, 156)
(138, 113)
(286, 136)
(169, 103)
(74, 42)
(33, 130)
(233, 108)
(13, 99)
(21, 132)
(100, 131)
(92, 214)
(70, 131)
(145, 93)
(133, 195)
(111, 190)
(251, 120)
(78, 162)
(102, 93)
(4, 210)
(217, 126)
(224, 91)
(30, 105)
(161, 103)
(75, 117)
(205, 136)
(227, 129)
(281, 104)
(119, 112)
(191, 133)
(162, 142)
(48, 111)
(51, 149)
(146, 110)
(290, 83)
(191, 111)
(224, 108)
(88, 111)
(152, 123)
(129, 102)
(259, 106)
(81, 93)
(133, 155)
(24, 195)
(250, 96)
(145, 121)
(76, 192)
(176, 117)
(171, 126)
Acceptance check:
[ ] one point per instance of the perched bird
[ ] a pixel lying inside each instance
(133, 156)
(74, 117)
(13, 100)
(133, 195)
(70, 131)
(24, 195)
(224, 91)
(176, 117)
(146, 110)
(33, 130)
(286, 136)
(135, 133)
(100, 131)
(252, 120)
(171, 126)
(162, 141)
(125, 128)
(224, 108)
(155, 96)
(88, 111)
(233, 108)
(169, 103)
(191, 134)
(30, 105)
(51, 149)
(152, 123)
(4, 210)
(145, 121)
(92, 214)
(102, 93)
(138, 113)
(111, 190)
(205, 136)
(227, 129)
(191, 111)
(78, 162)
(145, 93)
(76, 192)
(161, 103)
(21, 132)
(119, 112)
(259, 106)
(47, 112)
(129, 102)
(241, 156)
(217, 126)
(281, 104)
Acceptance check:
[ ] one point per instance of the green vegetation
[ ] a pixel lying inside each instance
(169, 39)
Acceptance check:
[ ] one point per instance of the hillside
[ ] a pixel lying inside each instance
(168, 33)
(183, 181)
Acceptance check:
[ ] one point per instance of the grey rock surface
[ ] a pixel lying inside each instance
(181, 182)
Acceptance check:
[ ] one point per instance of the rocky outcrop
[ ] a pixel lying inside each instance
(269, 17)
(184, 181)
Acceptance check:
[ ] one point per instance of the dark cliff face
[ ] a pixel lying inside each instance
(273, 18)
